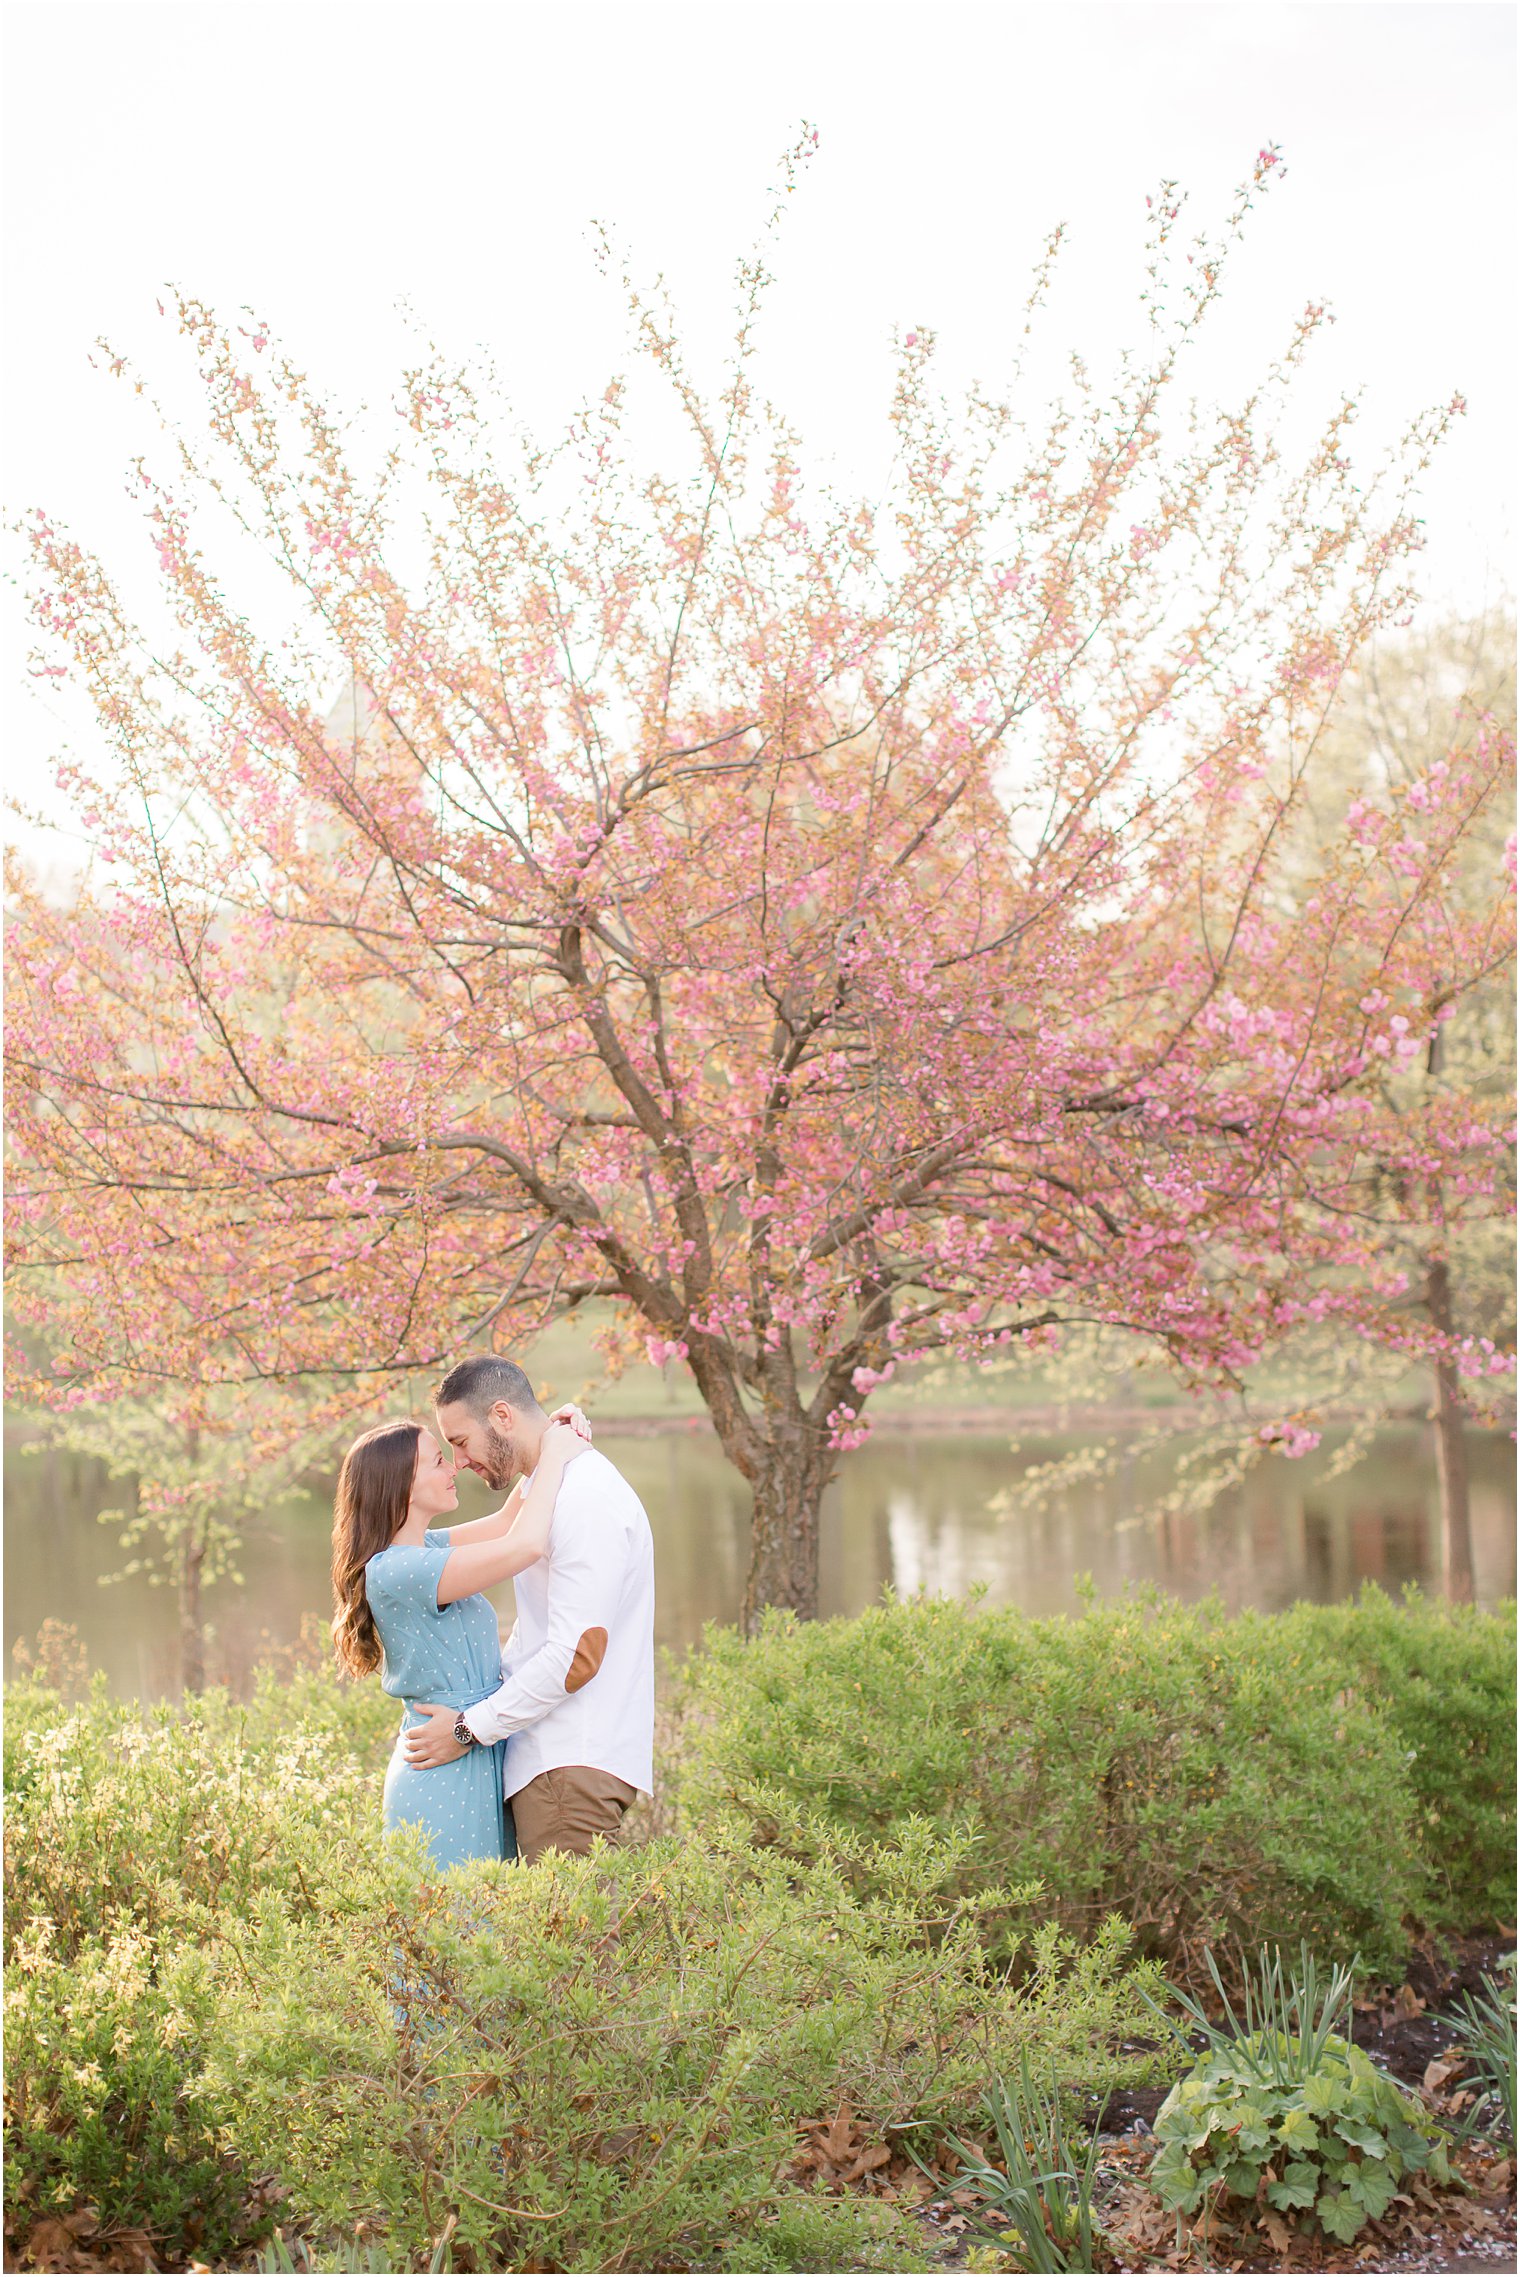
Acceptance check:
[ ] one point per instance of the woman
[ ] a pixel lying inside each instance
(408, 1602)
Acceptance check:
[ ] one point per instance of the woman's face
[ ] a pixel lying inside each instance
(433, 1488)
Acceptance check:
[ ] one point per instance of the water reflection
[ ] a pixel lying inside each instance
(908, 1510)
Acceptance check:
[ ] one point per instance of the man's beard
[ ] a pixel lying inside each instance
(500, 1459)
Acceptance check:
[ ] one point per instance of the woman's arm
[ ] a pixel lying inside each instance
(492, 1527)
(482, 1564)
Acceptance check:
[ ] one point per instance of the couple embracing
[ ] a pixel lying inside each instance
(505, 1751)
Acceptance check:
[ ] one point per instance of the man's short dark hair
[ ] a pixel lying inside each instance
(479, 1382)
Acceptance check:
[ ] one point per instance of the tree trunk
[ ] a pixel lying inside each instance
(1451, 1449)
(783, 1564)
(192, 1632)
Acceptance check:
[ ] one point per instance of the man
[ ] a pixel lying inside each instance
(578, 1696)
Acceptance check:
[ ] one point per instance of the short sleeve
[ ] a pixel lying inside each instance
(405, 1578)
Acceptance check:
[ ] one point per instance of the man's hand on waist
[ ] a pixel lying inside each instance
(433, 1743)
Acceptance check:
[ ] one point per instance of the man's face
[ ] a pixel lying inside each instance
(483, 1444)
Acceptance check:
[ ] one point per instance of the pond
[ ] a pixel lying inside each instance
(909, 1510)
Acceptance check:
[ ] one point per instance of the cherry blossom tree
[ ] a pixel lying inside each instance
(830, 931)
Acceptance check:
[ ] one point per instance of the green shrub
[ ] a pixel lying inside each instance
(98, 2108)
(132, 1836)
(163, 1818)
(214, 1957)
(209, 1944)
(1334, 2144)
(1444, 1676)
(1208, 1779)
(608, 2060)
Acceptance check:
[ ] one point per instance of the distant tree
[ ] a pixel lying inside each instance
(1405, 710)
(837, 934)
(1445, 1255)
(200, 1472)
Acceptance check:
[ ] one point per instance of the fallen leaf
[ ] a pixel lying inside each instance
(131, 2249)
(1441, 2068)
(835, 2139)
(1407, 2001)
(49, 2242)
(867, 2162)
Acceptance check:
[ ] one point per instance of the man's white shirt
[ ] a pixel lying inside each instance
(598, 1574)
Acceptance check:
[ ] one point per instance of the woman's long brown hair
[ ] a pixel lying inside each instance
(369, 1510)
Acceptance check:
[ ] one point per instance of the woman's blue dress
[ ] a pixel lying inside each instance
(448, 1655)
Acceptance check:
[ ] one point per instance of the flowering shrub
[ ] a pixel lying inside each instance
(135, 1838)
(99, 2109)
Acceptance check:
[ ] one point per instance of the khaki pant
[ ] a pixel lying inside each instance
(567, 1809)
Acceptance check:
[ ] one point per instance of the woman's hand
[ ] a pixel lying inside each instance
(571, 1414)
(561, 1444)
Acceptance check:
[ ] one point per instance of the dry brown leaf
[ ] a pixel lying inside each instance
(835, 2139)
(1277, 2230)
(48, 2243)
(867, 2162)
(1407, 2001)
(127, 2249)
(1442, 2068)
(619, 2143)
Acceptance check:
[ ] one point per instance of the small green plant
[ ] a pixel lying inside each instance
(1040, 2206)
(1284, 2111)
(1290, 2015)
(1490, 2042)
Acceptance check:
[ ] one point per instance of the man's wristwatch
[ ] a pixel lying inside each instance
(463, 1736)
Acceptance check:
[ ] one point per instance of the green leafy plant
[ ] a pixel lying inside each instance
(1284, 2111)
(98, 2109)
(1039, 2205)
(1490, 2041)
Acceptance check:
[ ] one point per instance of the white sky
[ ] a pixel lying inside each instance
(321, 161)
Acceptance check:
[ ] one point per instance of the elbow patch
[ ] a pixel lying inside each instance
(589, 1654)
